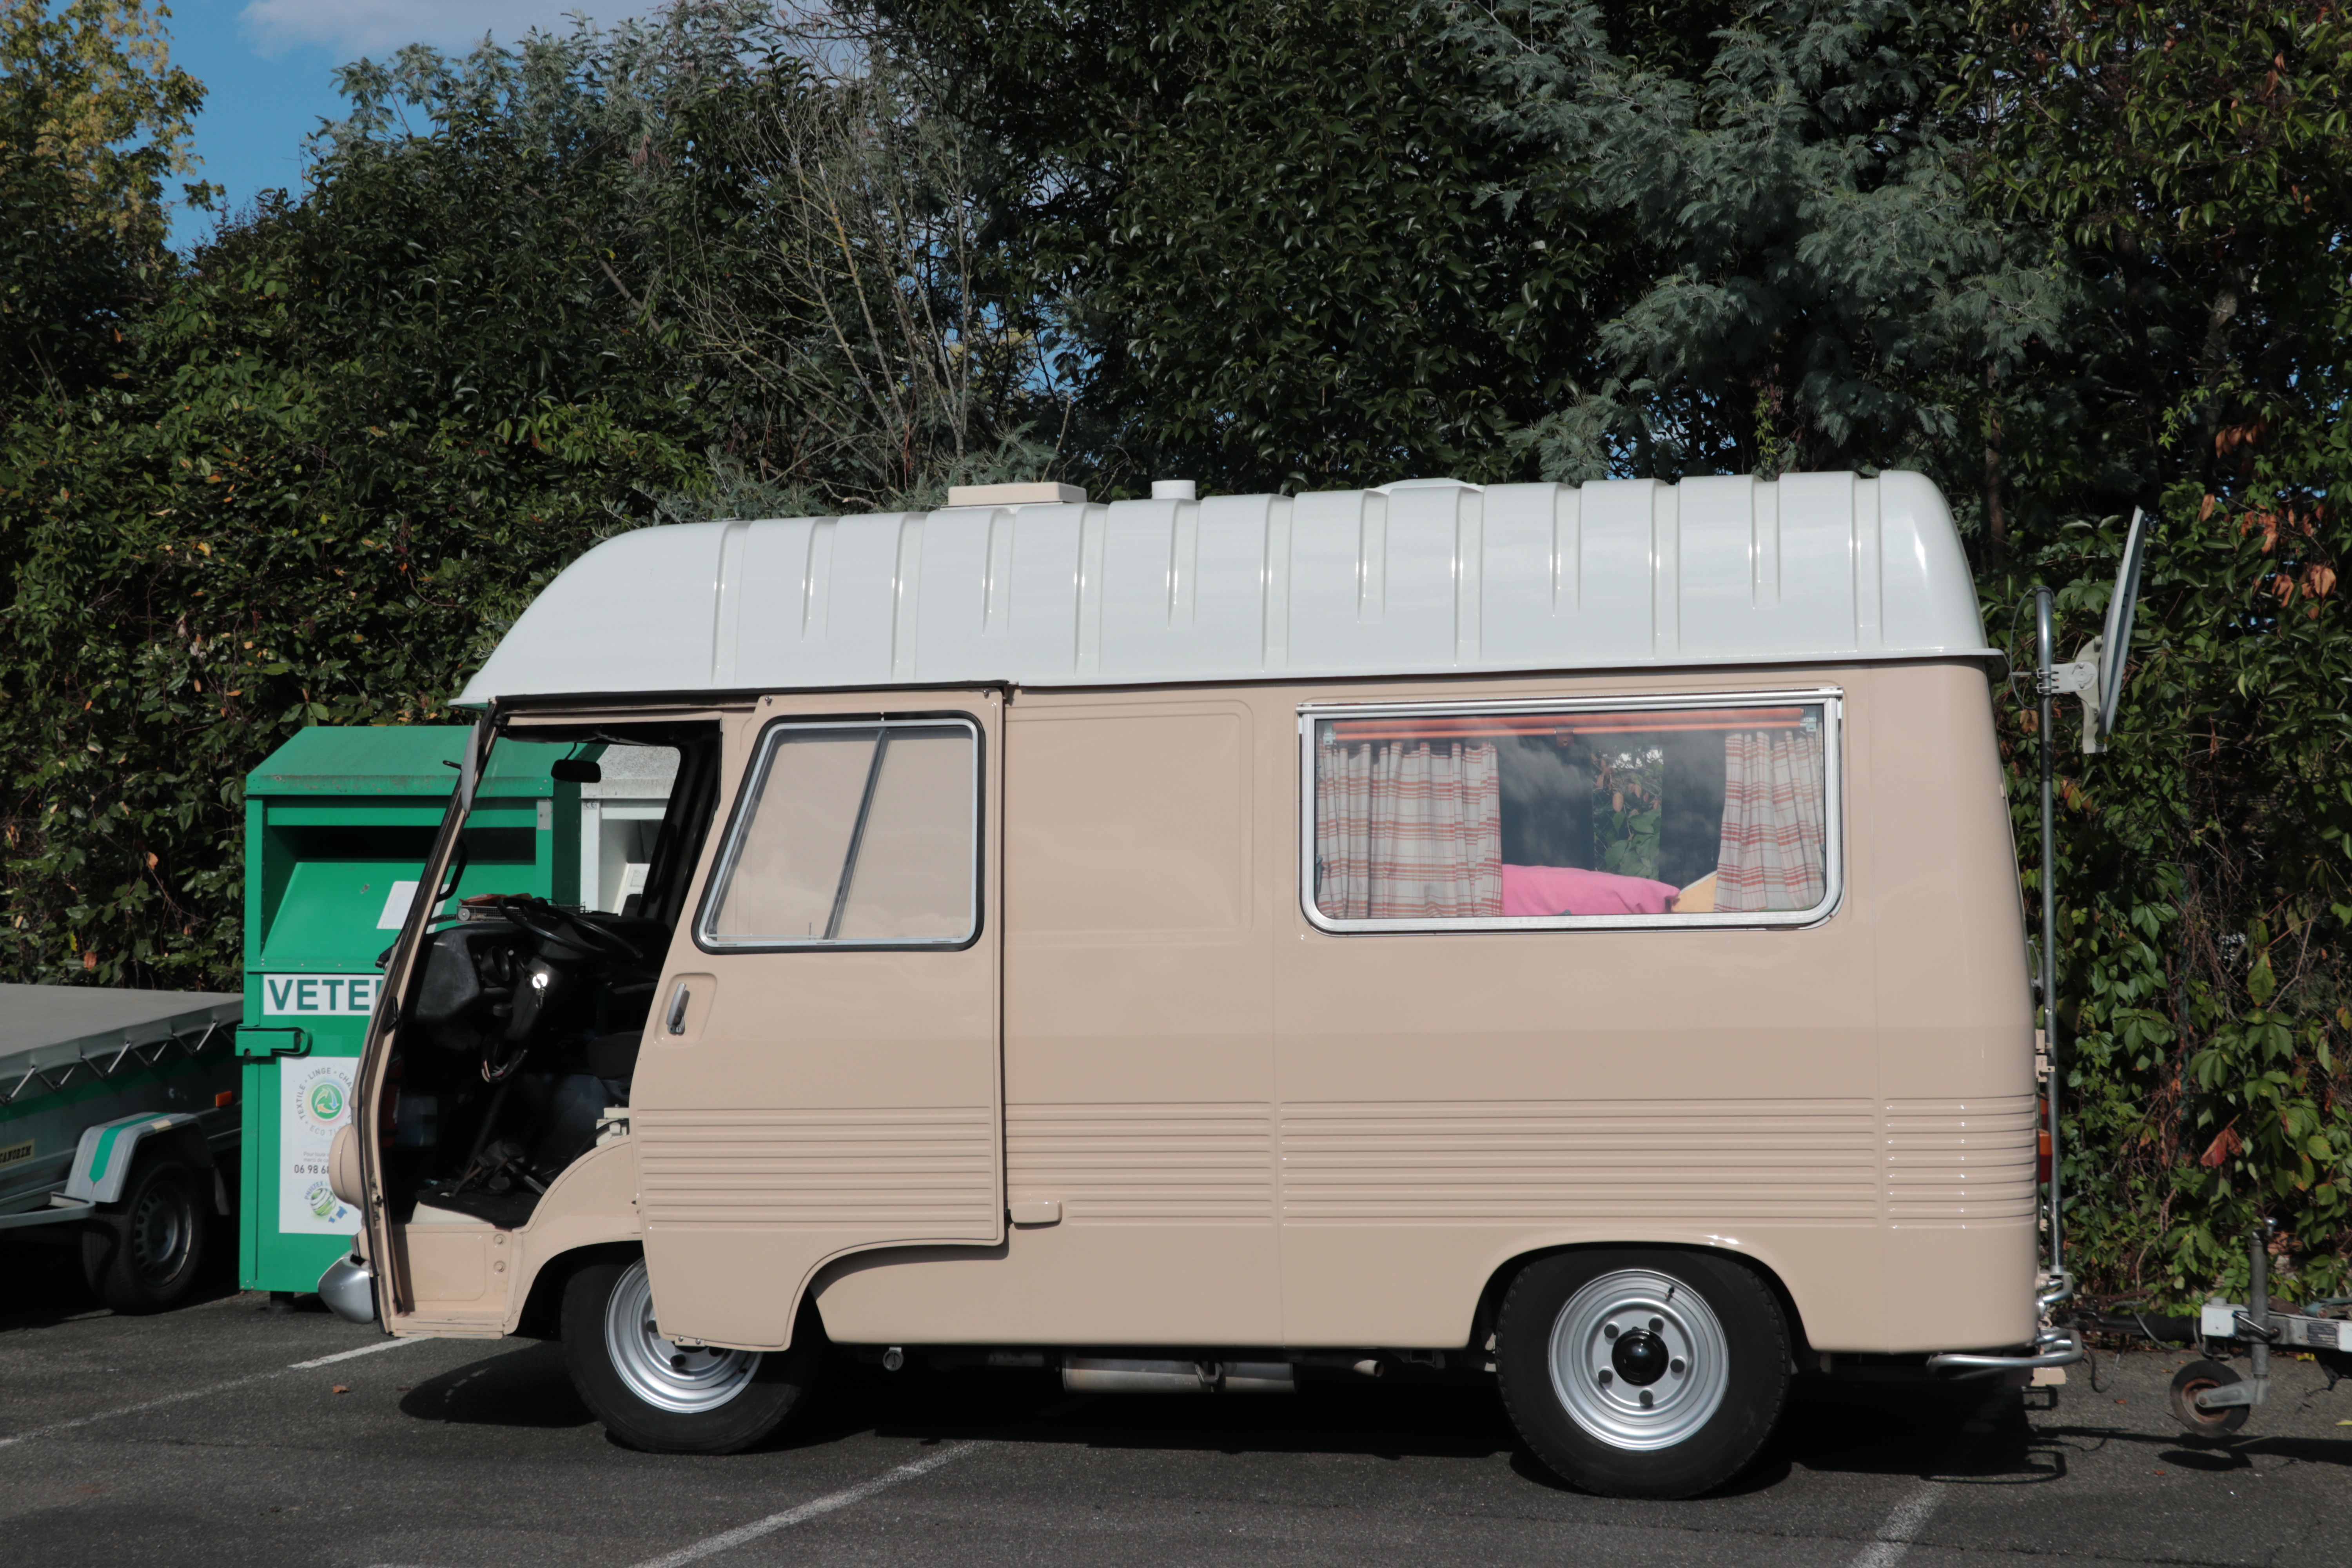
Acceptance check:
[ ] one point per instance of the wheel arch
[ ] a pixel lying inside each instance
(540, 1315)
(590, 1211)
(1489, 1308)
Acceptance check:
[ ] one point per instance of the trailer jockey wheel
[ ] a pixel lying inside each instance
(1643, 1373)
(143, 1255)
(2193, 1380)
(668, 1398)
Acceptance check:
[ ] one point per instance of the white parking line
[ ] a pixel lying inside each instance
(364, 1350)
(1902, 1527)
(1899, 1532)
(825, 1504)
(711, 1545)
(57, 1427)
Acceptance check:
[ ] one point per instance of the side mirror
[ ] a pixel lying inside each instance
(576, 770)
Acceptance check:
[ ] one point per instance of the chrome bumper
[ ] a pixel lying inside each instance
(2052, 1347)
(348, 1288)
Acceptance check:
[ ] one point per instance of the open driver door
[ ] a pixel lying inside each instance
(822, 1069)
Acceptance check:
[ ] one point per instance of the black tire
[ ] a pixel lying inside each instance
(2194, 1379)
(701, 1402)
(1675, 1366)
(143, 1254)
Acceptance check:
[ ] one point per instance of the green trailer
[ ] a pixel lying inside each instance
(114, 1107)
(337, 824)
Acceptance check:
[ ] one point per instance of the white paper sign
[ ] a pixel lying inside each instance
(315, 1098)
(318, 995)
(395, 906)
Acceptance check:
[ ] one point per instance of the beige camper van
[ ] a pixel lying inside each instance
(1570, 934)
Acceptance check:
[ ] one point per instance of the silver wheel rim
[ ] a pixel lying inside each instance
(682, 1379)
(1588, 1367)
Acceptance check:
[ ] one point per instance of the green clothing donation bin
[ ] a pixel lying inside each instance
(338, 823)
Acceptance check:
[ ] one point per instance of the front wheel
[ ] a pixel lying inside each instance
(1643, 1373)
(664, 1398)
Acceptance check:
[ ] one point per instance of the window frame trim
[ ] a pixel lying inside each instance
(739, 822)
(1831, 700)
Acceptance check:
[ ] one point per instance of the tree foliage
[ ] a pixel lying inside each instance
(1819, 292)
(845, 282)
(1268, 227)
(93, 118)
(2193, 161)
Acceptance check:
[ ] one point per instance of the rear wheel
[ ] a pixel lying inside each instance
(664, 1398)
(1643, 1373)
(144, 1255)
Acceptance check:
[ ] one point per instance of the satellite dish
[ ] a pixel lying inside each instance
(2114, 642)
(2097, 676)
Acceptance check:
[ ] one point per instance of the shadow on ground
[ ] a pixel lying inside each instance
(520, 1388)
(1961, 1433)
(1965, 1435)
(42, 1267)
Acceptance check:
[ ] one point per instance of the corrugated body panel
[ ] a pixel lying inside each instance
(921, 1174)
(1955, 1162)
(1615, 549)
(1183, 586)
(1125, 1164)
(1412, 579)
(1719, 613)
(1725, 1161)
(1927, 586)
(796, 567)
(1817, 556)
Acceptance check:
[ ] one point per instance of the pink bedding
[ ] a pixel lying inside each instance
(1565, 890)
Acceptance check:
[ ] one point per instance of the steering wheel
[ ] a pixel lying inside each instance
(574, 932)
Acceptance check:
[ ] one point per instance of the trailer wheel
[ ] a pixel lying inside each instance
(143, 1255)
(1643, 1373)
(2193, 1380)
(664, 1398)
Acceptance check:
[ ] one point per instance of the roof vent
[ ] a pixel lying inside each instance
(1045, 494)
(1175, 490)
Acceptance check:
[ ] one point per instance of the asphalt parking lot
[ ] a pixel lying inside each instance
(221, 1434)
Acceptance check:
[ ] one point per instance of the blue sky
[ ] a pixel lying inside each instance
(267, 64)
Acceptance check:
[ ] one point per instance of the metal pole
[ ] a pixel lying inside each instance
(2043, 651)
(2258, 1282)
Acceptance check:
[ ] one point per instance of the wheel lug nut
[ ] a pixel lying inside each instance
(1676, 1366)
(1657, 1325)
(1607, 1377)
(1608, 1331)
(1647, 1400)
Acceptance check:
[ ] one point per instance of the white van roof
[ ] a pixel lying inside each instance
(1417, 578)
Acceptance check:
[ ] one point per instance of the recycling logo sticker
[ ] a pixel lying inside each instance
(323, 1095)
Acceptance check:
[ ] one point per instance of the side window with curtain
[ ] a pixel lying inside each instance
(853, 835)
(1711, 811)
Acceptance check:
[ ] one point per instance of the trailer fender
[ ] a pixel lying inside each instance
(101, 1163)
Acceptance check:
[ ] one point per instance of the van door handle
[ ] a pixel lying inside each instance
(677, 1010)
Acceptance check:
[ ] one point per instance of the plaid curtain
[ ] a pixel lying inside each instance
(1403, 831)
(1771, 856)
